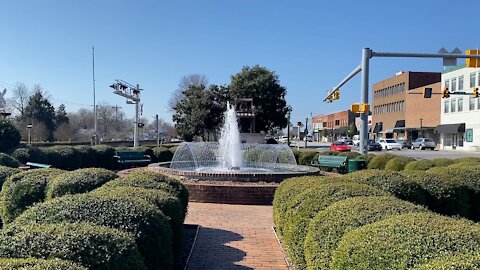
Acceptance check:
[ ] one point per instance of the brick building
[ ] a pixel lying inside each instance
(399, 109)
(331, 126)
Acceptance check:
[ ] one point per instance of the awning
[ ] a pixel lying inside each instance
(389, 131)
(450, 128)
(341, 130)
(378, 127)
(400, 124)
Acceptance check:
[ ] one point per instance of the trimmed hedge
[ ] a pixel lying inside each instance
(9, 135)
(63, 157)
(306, 157)
(147, 224)
(453, 262)
(151, 180)
(162, 154)
(379, 161)
(328, 227)
(22, 190)
(366, 157)
(6, 160)
(104, 156)
(30, 154)
(442, 162)
(352, 155)
(78, 181)
(419, 165)
(38, 264)
(165, 202)
(92, 246)
(405, 241)
(6, 172)
(88, 156)
(394, 183)
(398, 163)
(303, 207)
(466, 164)
(173, 149)
(443, 194)
(467, 160)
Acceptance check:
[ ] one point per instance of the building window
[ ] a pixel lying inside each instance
(454, 84)
(445, 106)
(460, 104)
(473, 79)
(460, 83)
(471, 103)
(447, 83)
(453, 105)
(337, 122)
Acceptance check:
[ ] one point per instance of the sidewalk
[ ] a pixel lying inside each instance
(234, 237)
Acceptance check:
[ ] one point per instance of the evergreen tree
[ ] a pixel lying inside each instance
(40, 109)
(61, 115)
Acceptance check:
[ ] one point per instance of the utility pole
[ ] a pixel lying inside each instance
(132, 94)
(95, 134)
(157, 129)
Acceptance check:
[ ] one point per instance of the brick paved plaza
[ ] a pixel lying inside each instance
(234, 237)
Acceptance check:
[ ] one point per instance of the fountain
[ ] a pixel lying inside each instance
(230, 160)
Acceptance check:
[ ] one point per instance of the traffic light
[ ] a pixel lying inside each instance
(445, 93)
(472, 62)
(427, 92)
(336, 94)
(475, 92)
(141, 125)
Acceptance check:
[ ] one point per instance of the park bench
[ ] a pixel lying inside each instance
(326, 161)
(131, 158)
(37, 165)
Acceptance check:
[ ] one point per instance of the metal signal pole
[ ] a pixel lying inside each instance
(95, 135)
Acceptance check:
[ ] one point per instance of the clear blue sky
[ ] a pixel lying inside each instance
(311, 45)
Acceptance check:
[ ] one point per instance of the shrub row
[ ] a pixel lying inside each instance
(38, 264)
(6, 160)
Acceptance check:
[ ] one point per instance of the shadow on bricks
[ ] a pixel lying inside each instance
(213, 252)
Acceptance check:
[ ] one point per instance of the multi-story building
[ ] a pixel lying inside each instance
(399, 109)
(333, 125)
(317, 127)
(460, 113)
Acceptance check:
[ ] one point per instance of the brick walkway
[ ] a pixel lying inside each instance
(234, 237)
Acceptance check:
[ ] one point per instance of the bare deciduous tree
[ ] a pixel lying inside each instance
(185, 82)
(20, 98)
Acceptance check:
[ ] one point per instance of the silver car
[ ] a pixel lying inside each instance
(423, 143)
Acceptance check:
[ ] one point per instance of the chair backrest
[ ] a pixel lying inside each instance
(332, 160)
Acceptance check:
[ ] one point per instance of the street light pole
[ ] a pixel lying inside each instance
(288, 128)
(29, 128)
(421, 131)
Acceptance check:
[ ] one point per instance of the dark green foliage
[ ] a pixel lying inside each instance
(443, 162)
(146, 151)
(162, 154)
(394, 183)
(22, 190)
(151, 180)
(78, 181)
(453, 262)
(306, 205)
(328, 153)
(147, 224)
(366, 157)
(94, 247)
(443, 194)
(40, 109)
(173, 150)
(328, 227)
(30, 154)
(379, 161)
(63, 157)
(419, 165)
(306, 157)
(405, 241)
(5, 172)
(9, 136)
(88, 156)
(104, 156)
(398, 163)
(351, 155)
(165, 202)
(38, 264)
(296, 154)
(6, 160)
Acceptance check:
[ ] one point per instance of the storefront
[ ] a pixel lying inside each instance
(452, 136)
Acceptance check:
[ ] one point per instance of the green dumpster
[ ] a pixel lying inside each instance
(356, 165)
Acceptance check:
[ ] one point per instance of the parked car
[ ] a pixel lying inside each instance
(389, 144)
(283, 139)
(423, 143)
(356, 140)
(339, 146)
(405, 143)
(346, 140)
(374, 146)
(308, 138)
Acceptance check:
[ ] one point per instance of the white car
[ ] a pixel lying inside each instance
(308, 138)
(356, 140)
(283, 139)
(389, 144)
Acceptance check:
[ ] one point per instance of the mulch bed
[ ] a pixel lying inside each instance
(190, 233)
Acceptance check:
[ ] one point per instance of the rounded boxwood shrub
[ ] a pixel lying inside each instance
(453, 262)
(6, 160)
(63, 157)
(306, 157)
(22, 190)
(352, 155)
(173, 149)
(366, 157)
(392, 182)
(287, 190)
(463, 165)
(147, 224)
(9, 136)
(104, 156)
(379, 161)
(78, 181)
(87, 155)
(398, 163)
(405, 241)
(467, 160)
(6, 172)
(151, 180)
(162, 154)
(419, 165)
(38, 264)
(164, 201)
(30, 154)
(328, 153)
(328, 227)
(443, 194)
(303, 207)
(442, 162)
(94, 247)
